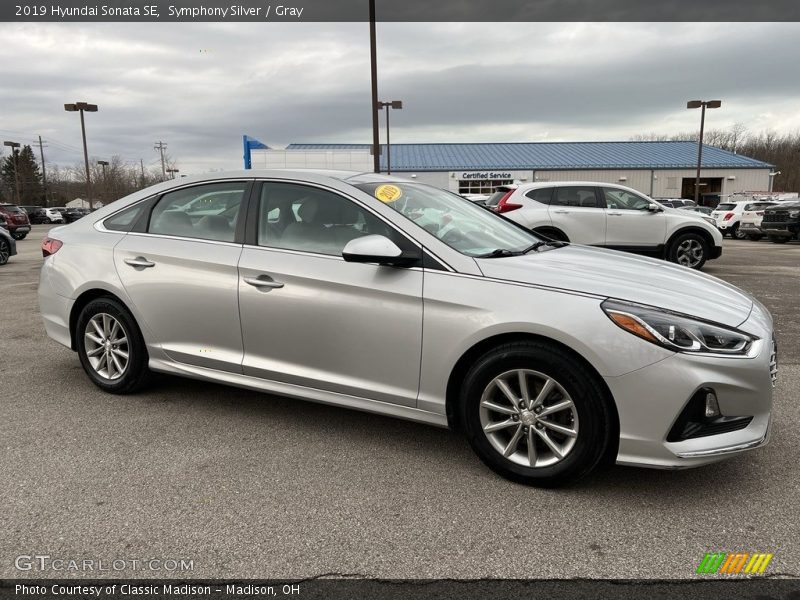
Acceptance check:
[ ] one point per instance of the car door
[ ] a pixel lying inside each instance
(181, 275)
(630, 223)
(311, 319)
(577, 211)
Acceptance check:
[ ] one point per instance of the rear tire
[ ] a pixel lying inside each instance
(736, 234)
(580, 431)
(19, 236)
(5, 251)
(689, 250)
(113, 365)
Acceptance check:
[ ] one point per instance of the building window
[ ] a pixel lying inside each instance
(481, 186)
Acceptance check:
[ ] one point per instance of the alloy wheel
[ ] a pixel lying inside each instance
(529, 418)
(689, 253)
(5, 252)
(106, 346)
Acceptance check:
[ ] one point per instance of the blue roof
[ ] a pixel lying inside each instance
(552, 155)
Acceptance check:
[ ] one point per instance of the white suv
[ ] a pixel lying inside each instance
(609, 215)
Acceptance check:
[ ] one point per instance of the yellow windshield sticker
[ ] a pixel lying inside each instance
(388, 193)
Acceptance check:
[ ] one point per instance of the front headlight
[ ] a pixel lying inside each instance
(679, 333)
(710, 221)
(793, 214)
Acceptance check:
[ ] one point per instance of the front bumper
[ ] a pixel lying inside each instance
(716, 252)
(782, 229)
(649, 401)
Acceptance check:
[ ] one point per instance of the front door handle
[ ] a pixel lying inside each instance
(614, 214)
(263, 282)
(139, 261)
(561, 212)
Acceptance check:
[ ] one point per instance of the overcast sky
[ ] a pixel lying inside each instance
(199, 87)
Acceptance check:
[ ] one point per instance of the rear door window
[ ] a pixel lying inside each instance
(575, 196)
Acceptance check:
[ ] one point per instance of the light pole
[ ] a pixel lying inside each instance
(173, 171)
(701, 104)
(772, 175)
(14, 146)
(84, 107)
(373, 71)
(397, 105)
(104, 164)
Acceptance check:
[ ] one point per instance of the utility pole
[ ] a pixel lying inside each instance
(161, 146)
(44, 172)
(141, 162)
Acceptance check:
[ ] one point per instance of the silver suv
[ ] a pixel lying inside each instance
(390, 296)
(611, 216)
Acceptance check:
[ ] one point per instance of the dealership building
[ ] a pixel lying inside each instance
(659, 169)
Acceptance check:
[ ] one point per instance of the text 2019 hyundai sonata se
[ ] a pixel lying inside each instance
(390, 296)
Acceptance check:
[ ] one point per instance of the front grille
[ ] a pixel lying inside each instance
(773, 363)
(775, 216)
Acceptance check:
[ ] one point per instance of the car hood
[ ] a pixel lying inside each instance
(613, 274)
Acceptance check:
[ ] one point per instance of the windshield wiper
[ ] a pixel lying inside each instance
(537, 245)
(497, 253)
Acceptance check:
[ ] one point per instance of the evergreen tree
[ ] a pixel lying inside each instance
(27, 177)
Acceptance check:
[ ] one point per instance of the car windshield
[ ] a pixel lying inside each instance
(457, 222)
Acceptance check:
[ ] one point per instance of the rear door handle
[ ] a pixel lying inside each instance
(139, 261)
(613, 214)
(263, 281)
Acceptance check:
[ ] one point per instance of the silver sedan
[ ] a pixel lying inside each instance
(394, 297)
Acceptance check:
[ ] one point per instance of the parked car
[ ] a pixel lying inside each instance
(551, 357)
(70, 215)
(8, 245)
(676, 202)
(17, 220)
(479, 199)
(40, 215)
(781, 222)
(750, 223)
(611, 216)
(728, 216)
(703, 210)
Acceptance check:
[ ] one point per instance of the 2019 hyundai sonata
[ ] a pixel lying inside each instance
(390, 296)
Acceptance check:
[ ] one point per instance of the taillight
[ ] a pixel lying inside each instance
(504, 206)
(727, 217)
(50, 246)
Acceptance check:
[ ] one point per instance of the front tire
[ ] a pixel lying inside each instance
(5, 251)
(688, 249)
(754, 237)
(778, 239)
(111, 348)
(534, 414)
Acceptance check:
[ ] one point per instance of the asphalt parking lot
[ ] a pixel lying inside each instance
(249, 485)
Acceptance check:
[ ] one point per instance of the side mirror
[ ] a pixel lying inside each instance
(378, 249)
(654, 208)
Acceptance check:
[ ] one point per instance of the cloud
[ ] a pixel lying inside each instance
(199, 87)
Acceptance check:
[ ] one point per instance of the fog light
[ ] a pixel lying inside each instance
(712, 406)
